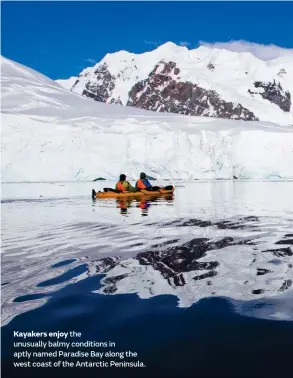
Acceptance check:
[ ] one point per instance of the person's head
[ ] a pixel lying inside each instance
(142, 176)
(122, 177)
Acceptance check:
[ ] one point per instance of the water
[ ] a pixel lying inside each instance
(199, 284)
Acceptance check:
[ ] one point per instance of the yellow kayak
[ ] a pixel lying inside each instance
(140, 194)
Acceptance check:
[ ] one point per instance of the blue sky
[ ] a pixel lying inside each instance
(59, 39)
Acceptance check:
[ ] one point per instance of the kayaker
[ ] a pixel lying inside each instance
(144, 184)
(123, 185)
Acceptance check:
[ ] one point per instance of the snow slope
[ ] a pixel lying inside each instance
(67, 83)
(230, 74)
(49, 133)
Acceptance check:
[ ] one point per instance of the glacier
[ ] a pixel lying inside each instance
(52, 134)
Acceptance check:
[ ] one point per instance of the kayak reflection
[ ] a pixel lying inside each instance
(142, 204)
(123, 205)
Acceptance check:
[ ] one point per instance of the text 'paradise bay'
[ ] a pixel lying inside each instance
(77, 354)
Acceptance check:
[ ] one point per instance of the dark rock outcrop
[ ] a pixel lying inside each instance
(274, 93)
(164, 92)
(102, 88)
(280, 252)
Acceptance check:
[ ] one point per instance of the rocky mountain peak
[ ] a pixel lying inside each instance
(164, 91)
(206, 81)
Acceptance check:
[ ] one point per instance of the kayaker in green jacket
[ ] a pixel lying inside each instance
(124, 186)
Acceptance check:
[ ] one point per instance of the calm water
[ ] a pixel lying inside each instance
(198, 285)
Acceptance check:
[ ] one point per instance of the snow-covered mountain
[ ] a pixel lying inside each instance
(205, 81)
(49, 133)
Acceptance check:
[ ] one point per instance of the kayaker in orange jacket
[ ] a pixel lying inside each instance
(144, 184)
(123, 185)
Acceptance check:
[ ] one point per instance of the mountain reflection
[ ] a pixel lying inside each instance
(236, 258)
(239, 268)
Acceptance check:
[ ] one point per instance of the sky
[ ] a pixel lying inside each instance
(59, 39)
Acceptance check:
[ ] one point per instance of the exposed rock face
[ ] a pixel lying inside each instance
(102, 89)
(163, 91)
(274, 93)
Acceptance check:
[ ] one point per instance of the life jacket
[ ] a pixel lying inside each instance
(140, 185)
(120, 186)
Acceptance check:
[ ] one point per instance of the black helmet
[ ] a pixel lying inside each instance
(142, 175)
(122, 177)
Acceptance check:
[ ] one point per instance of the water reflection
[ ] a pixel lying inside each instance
(240, 267)
(143, 203)
(144, 206)
(240, 258)
(191, 248)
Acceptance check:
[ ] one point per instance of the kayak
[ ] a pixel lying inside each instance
(140, 194)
